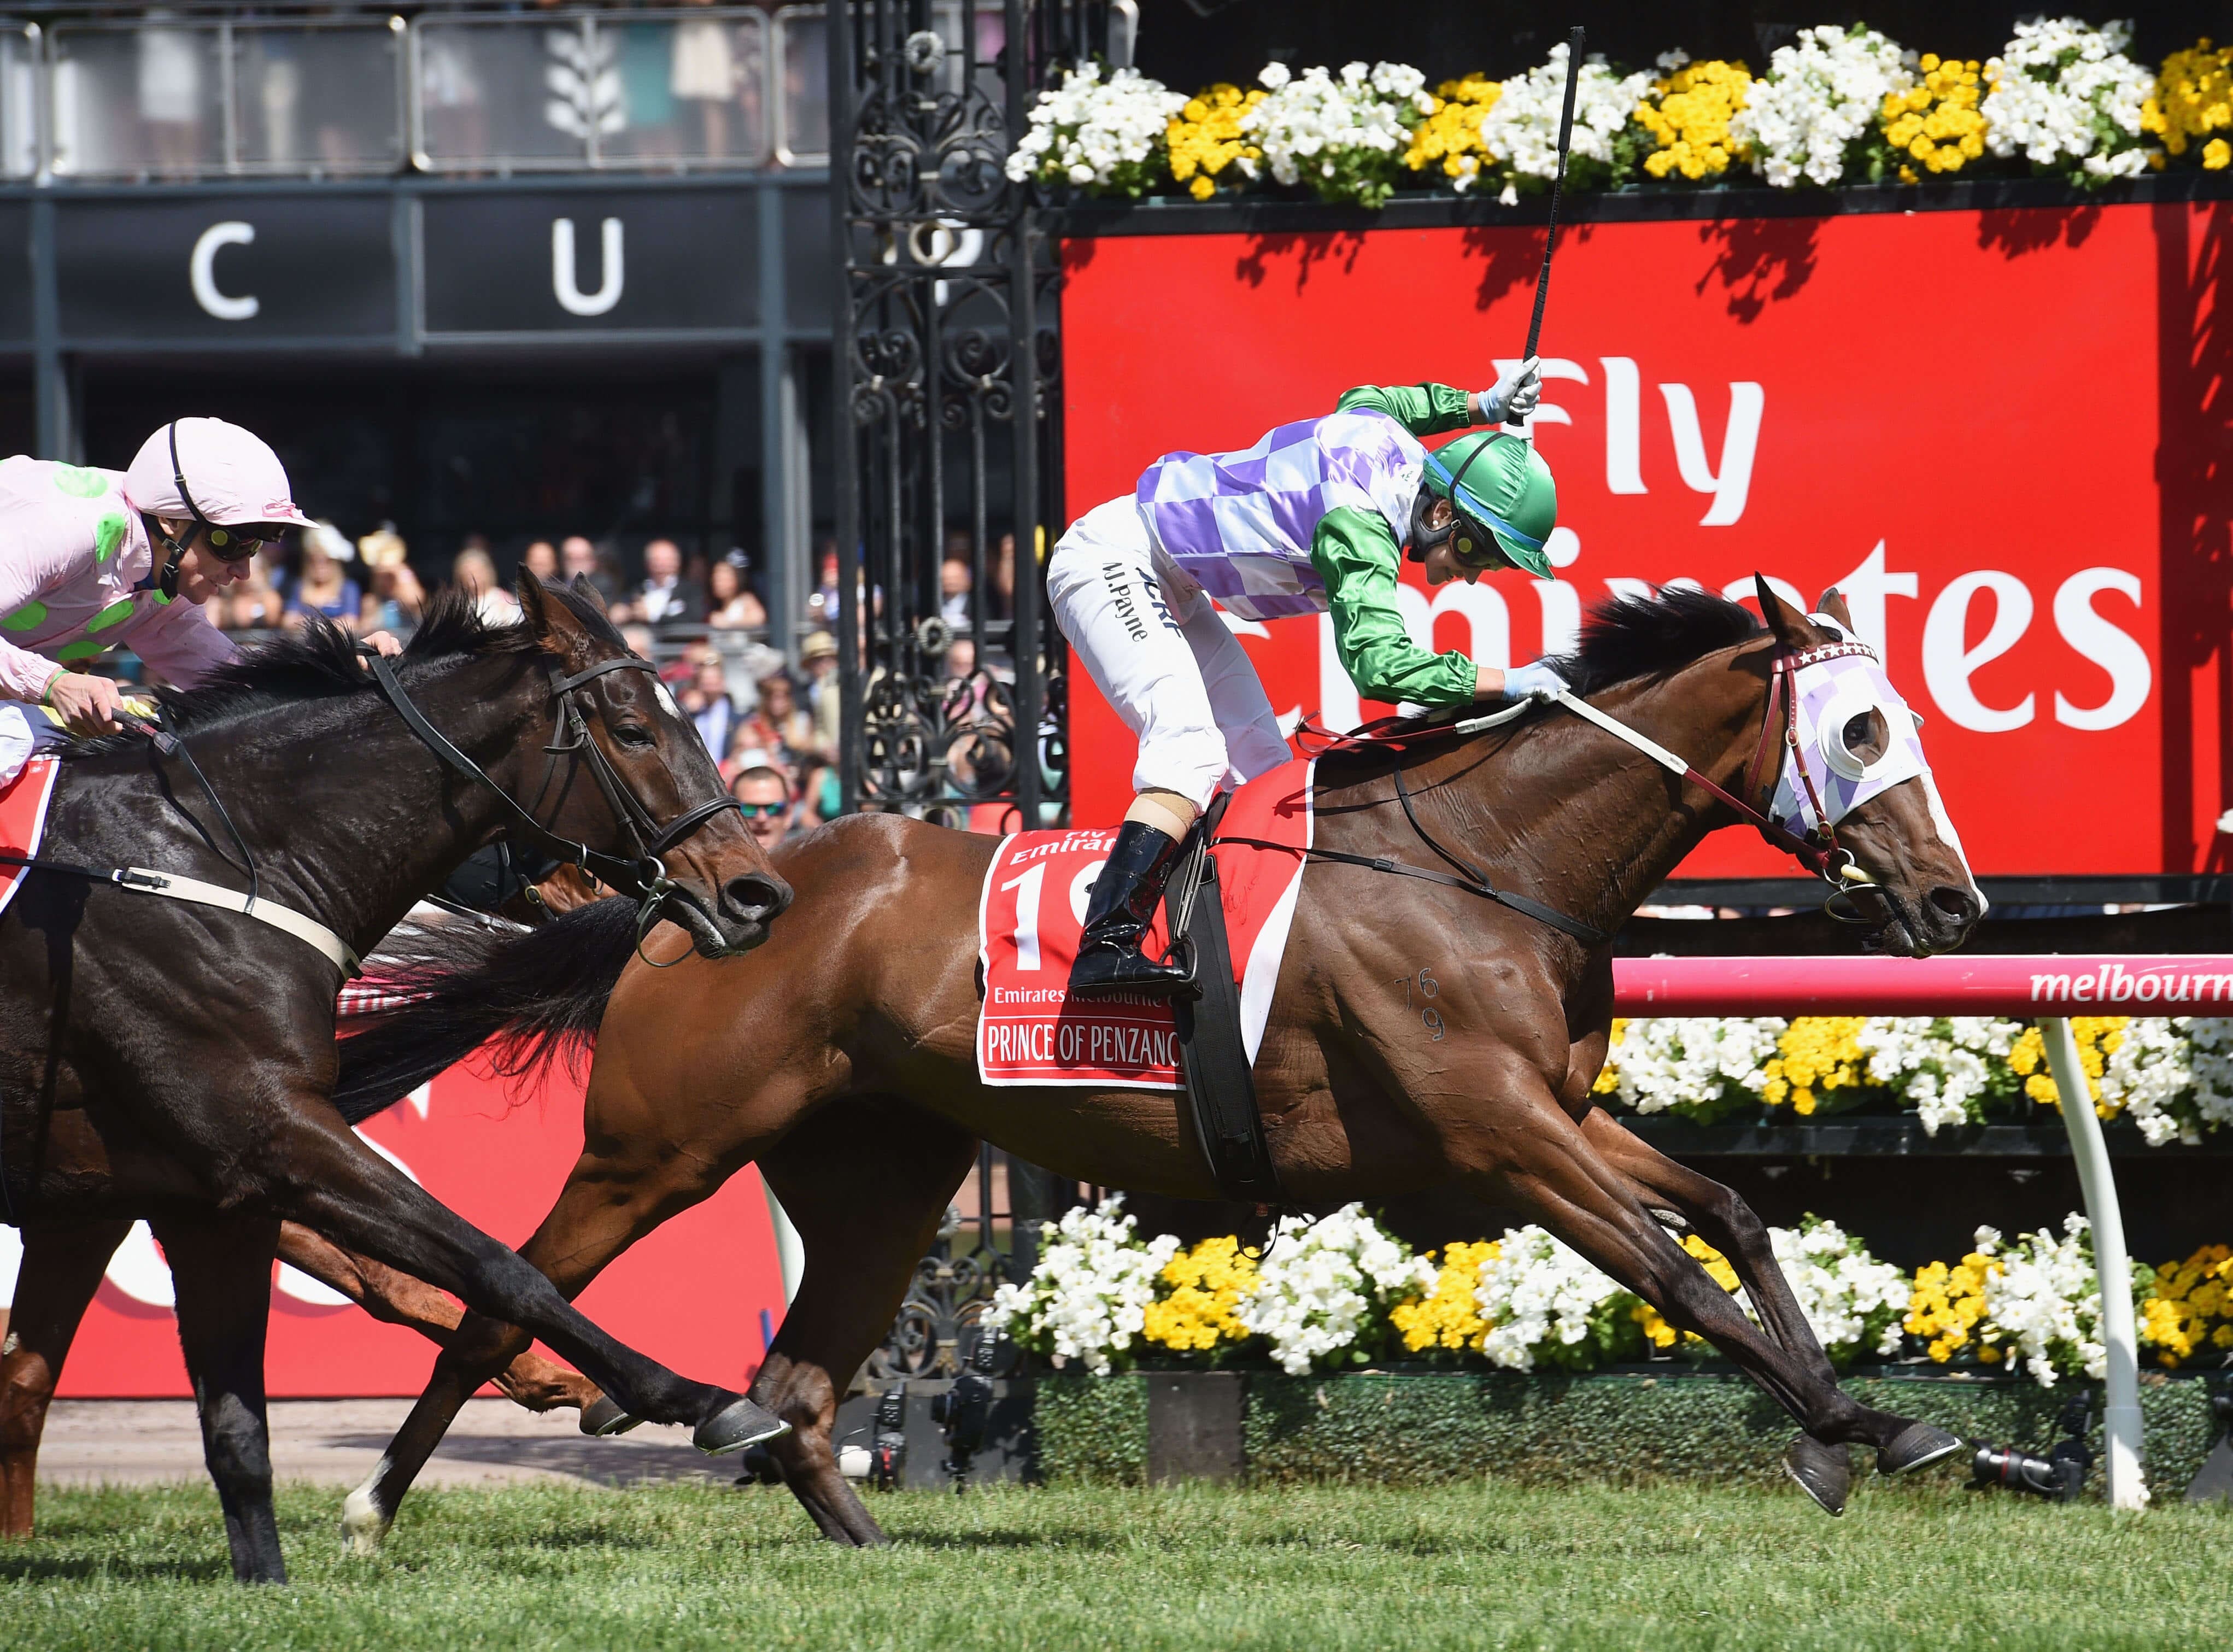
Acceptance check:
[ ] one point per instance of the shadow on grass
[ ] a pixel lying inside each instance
(54, 1569)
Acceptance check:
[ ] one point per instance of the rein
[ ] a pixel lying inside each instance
(642, 874)
(1825, 858)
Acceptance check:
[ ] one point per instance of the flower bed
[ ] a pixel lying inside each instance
(2172, 1078)
(1341, 1294)
(1835, 106)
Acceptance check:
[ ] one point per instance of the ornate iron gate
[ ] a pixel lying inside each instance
(947, 448)
(948, 433)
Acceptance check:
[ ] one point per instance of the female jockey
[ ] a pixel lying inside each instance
(1314, 517)
(91, 560)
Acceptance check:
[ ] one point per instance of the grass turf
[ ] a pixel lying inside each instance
(1469, 1565)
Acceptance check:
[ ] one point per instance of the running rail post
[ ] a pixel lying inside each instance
(2120, 1423)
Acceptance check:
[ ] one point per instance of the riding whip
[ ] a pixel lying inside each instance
(1558, 182)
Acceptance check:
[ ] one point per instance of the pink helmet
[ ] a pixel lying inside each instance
(213, 472)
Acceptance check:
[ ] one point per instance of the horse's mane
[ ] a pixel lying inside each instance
(1627, 637)
(320, 662)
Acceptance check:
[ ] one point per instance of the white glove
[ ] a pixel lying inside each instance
(1513, 399)
(1535, 681)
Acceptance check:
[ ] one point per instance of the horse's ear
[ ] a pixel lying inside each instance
(1790, 628)
(556, 627)
(586, 589)
(1834, 604)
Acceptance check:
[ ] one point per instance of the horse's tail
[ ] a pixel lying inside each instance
(537, 994)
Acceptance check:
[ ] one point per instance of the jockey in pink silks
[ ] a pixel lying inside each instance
(91, 560)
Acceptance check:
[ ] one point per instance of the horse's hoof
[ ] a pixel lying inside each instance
(739, 1424)
(600, 1418)
(1822, 1472)
(1915, 1447)
(363, 1526)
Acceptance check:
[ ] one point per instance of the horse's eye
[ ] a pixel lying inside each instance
(1864, 735)
(635, 734)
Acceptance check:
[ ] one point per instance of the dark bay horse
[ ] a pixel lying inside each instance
(841, 1056)
(175, 1061)
(62, 1268)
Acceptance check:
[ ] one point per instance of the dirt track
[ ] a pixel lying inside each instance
(92, 1442)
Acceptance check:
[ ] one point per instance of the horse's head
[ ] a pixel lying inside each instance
(642, 786)
(1860, 770)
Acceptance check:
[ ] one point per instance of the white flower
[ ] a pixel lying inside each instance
(1321, 1282)
(2046, 1298)
(1093, 133)
(1088, 1298)
(1818, 100)
(1321, 119)
(1537, 1292)
(1674, 1061)
(2062, 91)
(1522, 128)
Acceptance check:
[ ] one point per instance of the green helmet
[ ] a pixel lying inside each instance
(1505, 500)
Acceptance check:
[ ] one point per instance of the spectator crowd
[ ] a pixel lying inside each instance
(773, 729)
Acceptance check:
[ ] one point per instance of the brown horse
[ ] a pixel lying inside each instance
(62, 1268)
(841, 1056)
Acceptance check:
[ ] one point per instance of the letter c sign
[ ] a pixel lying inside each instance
(201, 272)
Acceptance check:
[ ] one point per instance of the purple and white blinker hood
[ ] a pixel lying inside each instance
(1833, 699)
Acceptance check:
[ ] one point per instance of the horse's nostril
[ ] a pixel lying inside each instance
(1957, 904)
(754, 899)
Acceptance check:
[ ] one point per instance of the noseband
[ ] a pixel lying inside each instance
(641, 875)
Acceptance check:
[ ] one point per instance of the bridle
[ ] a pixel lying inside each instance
(1817, 848)
(640, 874)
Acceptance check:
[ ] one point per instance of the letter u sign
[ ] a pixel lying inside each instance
(612, 275)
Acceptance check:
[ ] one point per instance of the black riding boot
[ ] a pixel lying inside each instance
(1124, 903)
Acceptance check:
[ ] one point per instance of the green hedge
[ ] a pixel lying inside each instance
(1415, 1427)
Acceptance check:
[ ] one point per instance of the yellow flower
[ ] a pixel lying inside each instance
(1447, 1317)
(2186, 1298)
(1945, 1305)
(1608, 1078)
(1450, 135)
(2193, 97)
(1687, 115)
(2098, 1038)
(1205, 138)
(1937, 122)
(1207, 1285)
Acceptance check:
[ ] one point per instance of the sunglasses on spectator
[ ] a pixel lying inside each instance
(762, 811)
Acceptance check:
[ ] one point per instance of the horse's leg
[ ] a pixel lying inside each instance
(605, 1206)
(1551, 1169)
(1725, 1221)
(398, 1299)
(866, 1182)
(317, 1172)
(221, 1266)
(62, 1269)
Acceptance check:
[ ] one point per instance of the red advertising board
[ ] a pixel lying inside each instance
(692, 1295)
(2003, 433)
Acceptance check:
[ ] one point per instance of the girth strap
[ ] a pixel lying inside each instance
(171, 885)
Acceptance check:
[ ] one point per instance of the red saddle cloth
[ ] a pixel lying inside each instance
(1032, 909)
(23, 819)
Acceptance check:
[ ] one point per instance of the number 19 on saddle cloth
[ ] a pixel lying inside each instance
(1032, 908)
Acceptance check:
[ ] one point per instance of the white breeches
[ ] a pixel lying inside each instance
(1165, 660)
